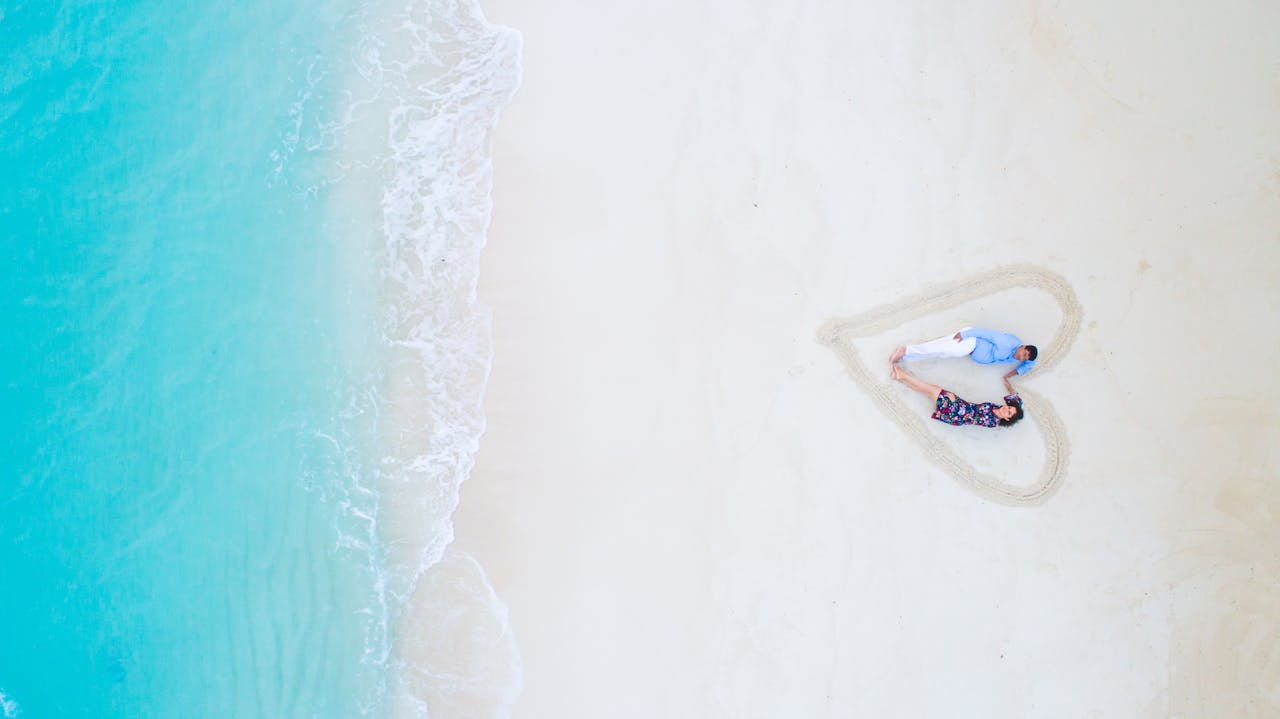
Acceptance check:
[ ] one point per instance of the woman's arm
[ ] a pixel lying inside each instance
(929, 390)
(1009, 386)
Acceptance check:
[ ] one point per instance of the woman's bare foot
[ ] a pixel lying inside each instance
(898, 353)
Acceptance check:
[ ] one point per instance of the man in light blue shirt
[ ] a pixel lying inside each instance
(981, 345)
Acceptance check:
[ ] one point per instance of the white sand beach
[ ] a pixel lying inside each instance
(687, 500)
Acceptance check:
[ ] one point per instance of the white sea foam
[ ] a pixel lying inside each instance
(460, 657)
(8, 706)
(430, 80)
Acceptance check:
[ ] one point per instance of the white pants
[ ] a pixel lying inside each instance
(941, 348)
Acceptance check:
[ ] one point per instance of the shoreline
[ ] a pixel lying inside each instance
(426, 90)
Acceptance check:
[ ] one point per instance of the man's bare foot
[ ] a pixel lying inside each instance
(898, 353)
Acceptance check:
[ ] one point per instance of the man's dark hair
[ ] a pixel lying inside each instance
(1017, 415)
(1031, 351)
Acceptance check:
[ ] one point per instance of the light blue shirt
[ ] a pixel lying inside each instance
(994, 347)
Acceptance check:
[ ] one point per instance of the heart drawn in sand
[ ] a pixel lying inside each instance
(840, 333)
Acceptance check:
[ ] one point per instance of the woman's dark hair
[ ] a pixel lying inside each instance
(1032, 352)
(1017, 415)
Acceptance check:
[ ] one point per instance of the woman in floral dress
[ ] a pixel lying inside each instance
(951, 409)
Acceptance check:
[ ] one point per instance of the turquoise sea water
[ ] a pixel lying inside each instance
(239, 241)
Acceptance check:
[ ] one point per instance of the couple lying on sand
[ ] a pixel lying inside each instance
(980, 345)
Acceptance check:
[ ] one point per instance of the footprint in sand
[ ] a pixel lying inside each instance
(840, 333)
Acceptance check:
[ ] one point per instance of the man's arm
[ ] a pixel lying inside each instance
(982, 333)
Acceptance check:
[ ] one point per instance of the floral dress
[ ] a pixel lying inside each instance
(951, 409)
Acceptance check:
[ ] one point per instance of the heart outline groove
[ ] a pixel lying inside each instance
(839, 334)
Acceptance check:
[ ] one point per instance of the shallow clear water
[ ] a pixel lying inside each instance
(206, 307)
